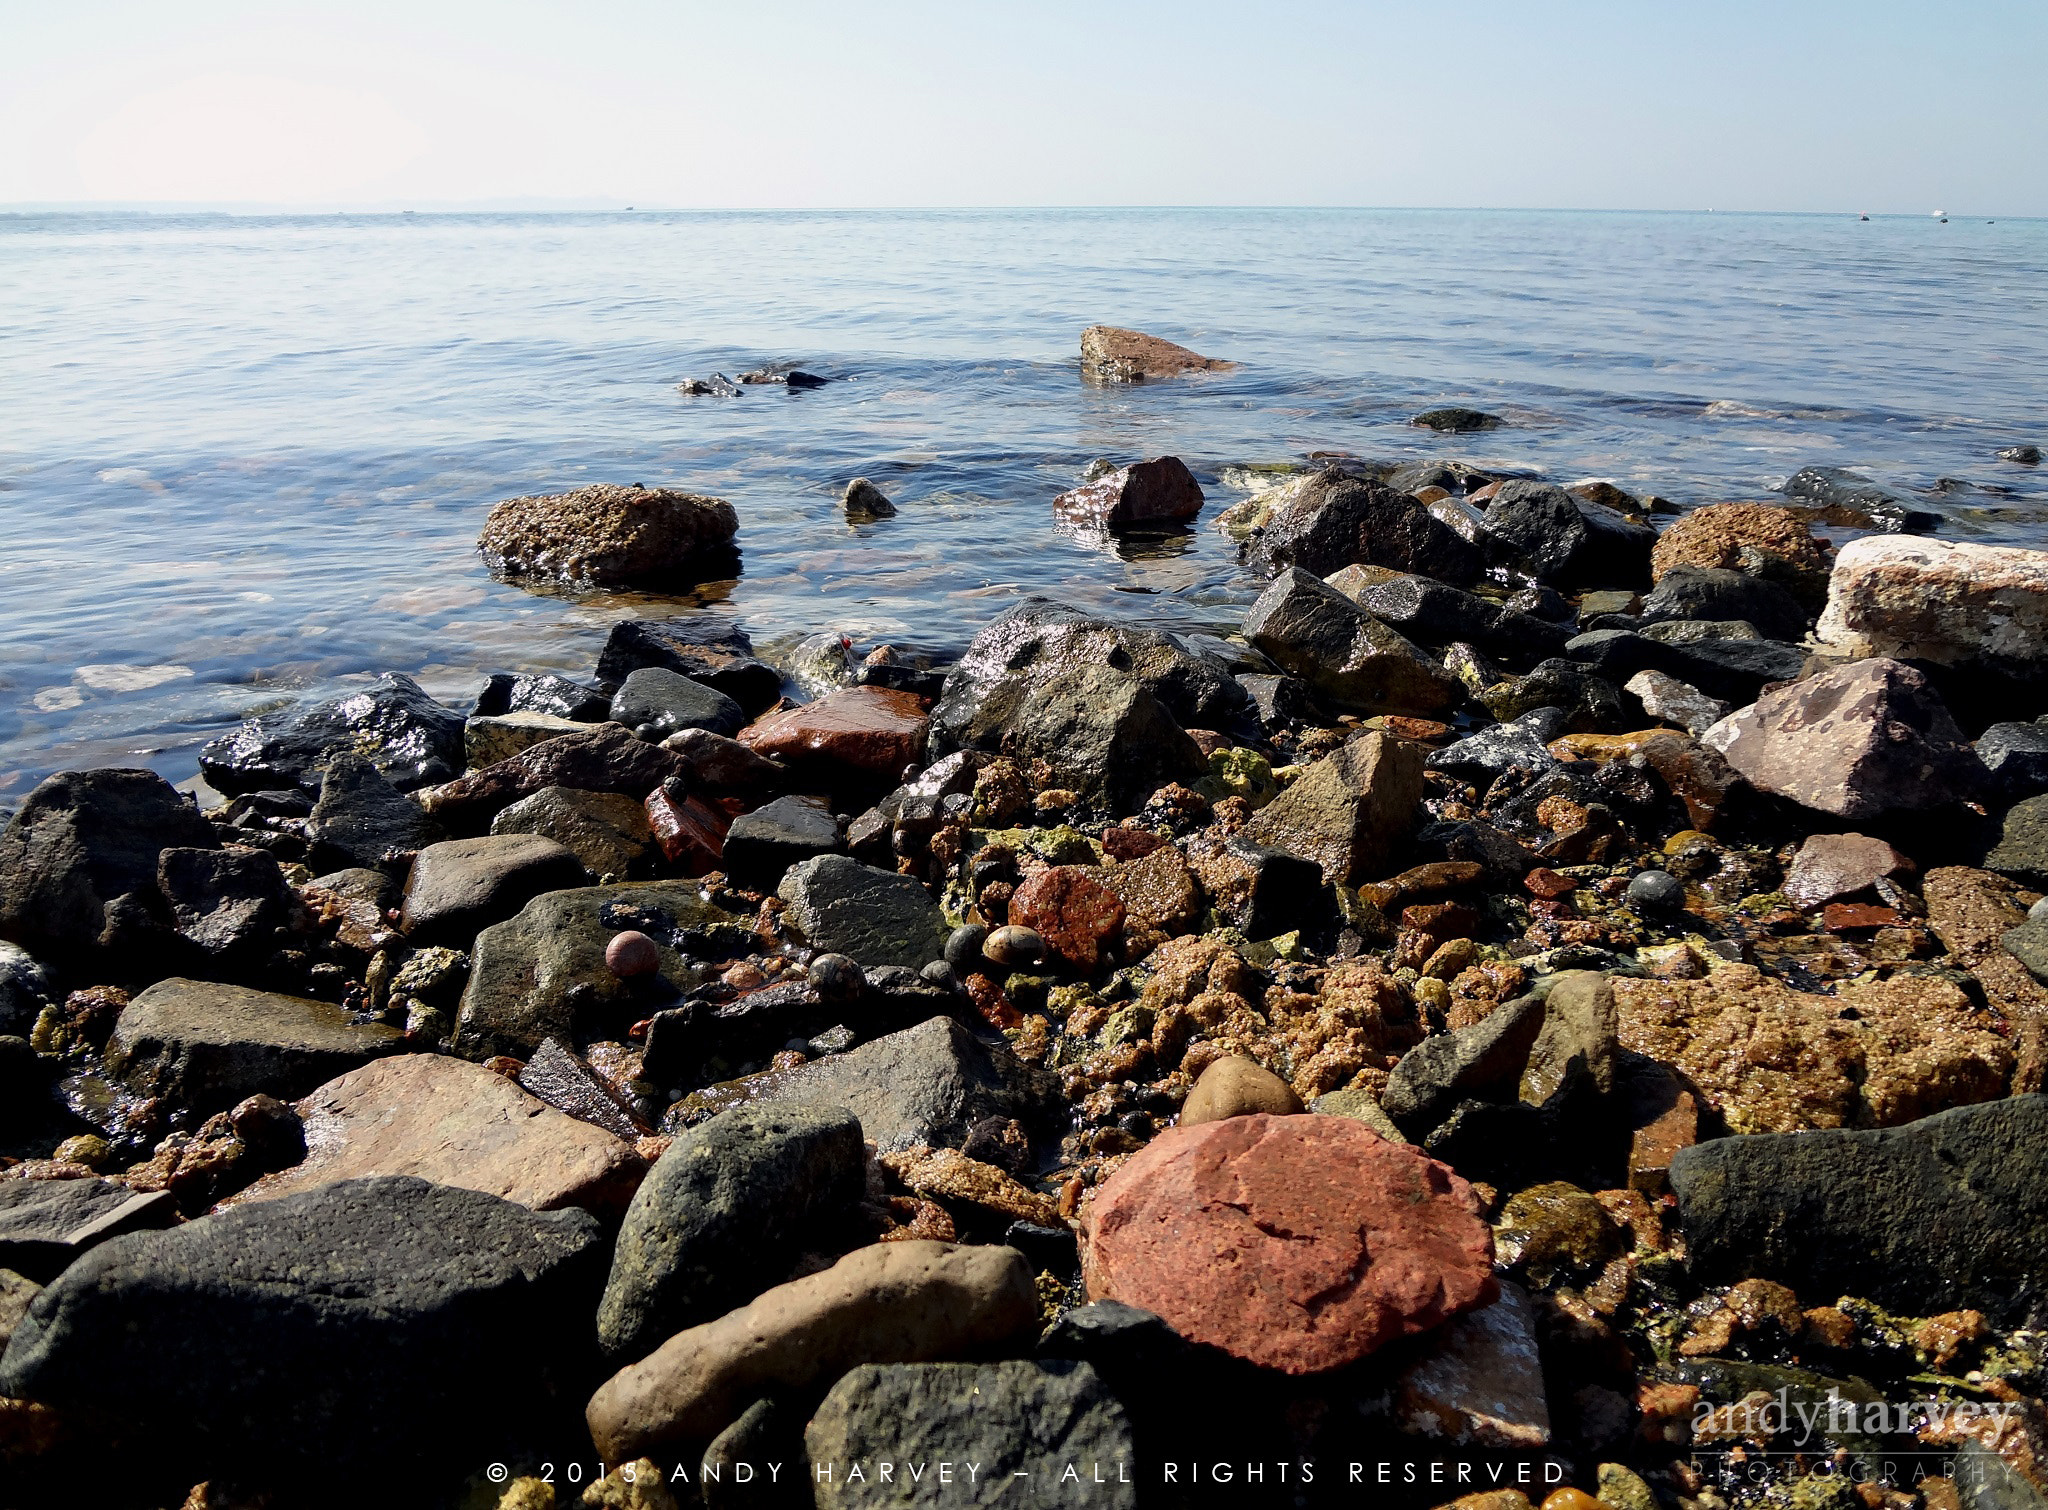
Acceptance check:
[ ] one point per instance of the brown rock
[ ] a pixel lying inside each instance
(1481, 1383)
(1160, 491)
(1237, 1087)
(455, 1123)
(691, 833)
(1971, 911)
(611, 536)
(1695, 774)
(1651, 1148)
(1840, 865)
(949, 1175)
(1111, 354)
(1759, 538)
(1348, 811)
(719, 764)
(1072, 911)
(899, 1302)
(866, 732)
(1297, 1243)
(606, 758)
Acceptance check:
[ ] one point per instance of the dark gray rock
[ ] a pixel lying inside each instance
(412, 739)
(1484, 1061)
(667, 701)
(2028, 944)
(1563, 541)
(880, 918)
(1698, 592)
(1986, 1481)
(1591, 703)
(863, 500)
(1543, 603)
(1337, 519)
(1940, 1214)
(1036, 1419)
(1430, 611)
(732, 1468)
(461, 886)
(2026, 456)
(45, 1224)
(1452, 420)
(1730, 669)
(606, 759)
(1261, 890)
(607, 831)
(2022, 848)
(704, 649)
(1102, 734)
(1886, 509)
(229, 902)
(724, 1213)
(542, 692)
(25, 989)
(363, 821)
(714, 763)
(1656, 893)
(24, 1083)
(2017, 757)
(761, 845)
(340, 1331)
(1521, 743)
(1349, 658)
(1280, 701)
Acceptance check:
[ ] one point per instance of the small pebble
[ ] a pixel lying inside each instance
(1014, 945)
(837, 977)
(88, 1149)
(963, 948)
(1571, 1499)
(938, 973)
(632, 954)
(1656, 891)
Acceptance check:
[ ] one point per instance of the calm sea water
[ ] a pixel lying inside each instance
(244, 460)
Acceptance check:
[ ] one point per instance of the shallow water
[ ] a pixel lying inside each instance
(244, 460)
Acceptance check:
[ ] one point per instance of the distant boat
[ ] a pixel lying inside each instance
(1941, 214)
(1862, 217)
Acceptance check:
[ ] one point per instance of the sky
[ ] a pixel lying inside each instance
(1885, 106)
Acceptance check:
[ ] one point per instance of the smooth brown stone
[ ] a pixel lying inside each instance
(873, 732)
(1110, 353)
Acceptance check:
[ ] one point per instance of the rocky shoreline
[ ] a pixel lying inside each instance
(1557, 1000)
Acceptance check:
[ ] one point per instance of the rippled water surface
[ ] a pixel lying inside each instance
(244, 460)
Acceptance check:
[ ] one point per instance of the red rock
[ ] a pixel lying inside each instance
(632, 953)
(1848, 917)
(691, 833)
(1650, 1150)
(869, 731)
(1073, 912)
(1548, 884)
(1297, 1243)
(1126, 842)
(1159, 491)
(1839, 865)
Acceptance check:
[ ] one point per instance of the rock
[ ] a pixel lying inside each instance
(1760, 539)
(1656, 893)
(1161, 897)
(1456, 421)
(1940, 1214)
(655, 702)
(1863, 739)
(1111, 354)
(567, 1083)
(1693, 631)
(1671, 701)
(1279, 701)
(411, 739)
(1840, 865)
(603, 759)
(877, 916)
(1161, 491)
(2022, 848)
(1562, 541)
(1046, 1422)
(1522, 743)
(1952, 604)
(2016, 755)
(1578, 1040)
(1970, 912)
(488, 740)
(1728, 668)
(1481, 1382)
(1428, 610)
(1769, 1059)
(1234, 1086)
(2028, 943)
(717, 764)
(539, 692)
(461, 886)
(703, 648)
(611, 536)
(1297, 1243)
(1073, 912)
(1686, 592)
(1261, 891)
(607, 832)
(1848, 498)
(690, 833)
(863, 500)
(338, 1331)
(1359, 1105)
(363, 821)
(16, 1291)
(1335, 519)
(454, 1123)
(902, 1302)
(837, 977)
(2026, 456)
(1349, 811)
(1349, 658)
(925, 1086)
(947, 1174)
(206, 1045)
(78, 867)
(1485, 1060)
(1014, 946)
(856, 733)
(731, 1204)
(229, 902)
(762, 845)
(542, 973)
(46, 1224)
(25, 990)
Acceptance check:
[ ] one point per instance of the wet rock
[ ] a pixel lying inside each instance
(731, 1204)
(1863, 739)
(717, 764)
(1297, 1243)
(611, 536)
(454, 1123)
(762, 845)
(1335, 519)
(1719, 593)
(1349, 658)
(1455, 421)
(1234, 1086)
(1111, 354)
(363, 821)
(947, 1174)
(1348, 811)
(1428, 610)
(413, 740)
(2022, 848)
(1733, 669)
(1037, 1421)
(1656, 893)
(1156, 492)
(666, 701)
(1840, 865)
(206, 1045)
(566, 1082)
(1669, 700)
(1759, 539)
(486, 741)
(1481, 1383)
(863, 500)
(606, 831)
(690, 832)
(2016, 755)
(1519, 744)
(1279, 701)
(604, 759)
(1161, 897)
(877, 916)
(705, 649)
(1693, 631)
(1578, 1041)
(229, 902)
(540, 692)
(1855, 500)
(1073, 912)
(46, 1224)
(542, 973)
(1940, 1214)
(1261, 891)
(1589, 701)
(2026, 456)
(1485, 1060)
(25, 989)
(1563, 541)
(1952, 604)
(461, 886)
(866, 732)
(341, 1330)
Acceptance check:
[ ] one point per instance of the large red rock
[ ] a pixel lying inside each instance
(1073, 912)
(1298, 1243)
(865, 731)
(1159, 491)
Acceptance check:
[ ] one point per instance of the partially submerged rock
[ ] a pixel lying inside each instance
(1111, 354)
(1161, 491)
(611, 536)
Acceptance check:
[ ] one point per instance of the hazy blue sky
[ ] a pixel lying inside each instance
(1881, 105)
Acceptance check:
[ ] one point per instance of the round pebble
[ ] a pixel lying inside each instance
(1014, 945)
(1572, 1499)
(85, 1148)
(1656, 891)
(648, 732)
(937, 973)
(837, 977)
(631, 954)
(963, 947)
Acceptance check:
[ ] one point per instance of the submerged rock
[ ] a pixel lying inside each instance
(1858, 501)
(1111, 354)
(863, 500)
(1155, 492)
(411, 739)
(611, 536)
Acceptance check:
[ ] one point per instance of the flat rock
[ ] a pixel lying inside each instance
(606, 758)
(902, 1302)
(362, 821)
(841, 906)
(1111, 354)
(1312, 631)
(710, 650)
(1348, 811)
(857, 733)
(205, 1045)
(1481, 1383)
(499, 736)
(1840, 865)
(1520, 743)
(566, 1082)
(1937, 1215)
(1336, 519)
(337, 1331)
(761, 846)
(461, 886)
(413, 740)
(1296, 1243)
(455, 1123)
(666, 701)
(732, 1203)
(1946, 603)
(611, 536)
(46, 1224)
(1156, 492)
(607, 831)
